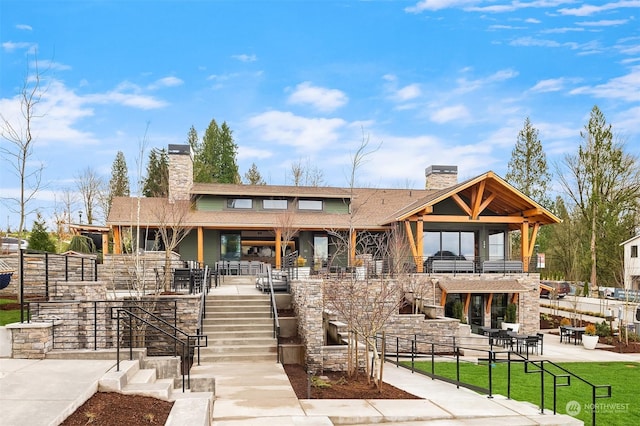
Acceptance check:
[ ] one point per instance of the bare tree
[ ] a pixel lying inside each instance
(306, 174)
(21, 139)
(285, 224)
(172, 228)
(91, 188)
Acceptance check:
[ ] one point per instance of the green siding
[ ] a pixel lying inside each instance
(336, 206)
(207, 203)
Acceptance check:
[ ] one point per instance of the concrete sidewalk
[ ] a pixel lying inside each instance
(45, 392)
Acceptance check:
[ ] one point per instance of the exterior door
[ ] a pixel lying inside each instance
(476, 312)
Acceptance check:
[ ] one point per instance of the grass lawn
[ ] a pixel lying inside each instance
(623, 408)
(7, 317)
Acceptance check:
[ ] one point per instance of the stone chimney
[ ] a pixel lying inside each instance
(440, 177)
(180, 172)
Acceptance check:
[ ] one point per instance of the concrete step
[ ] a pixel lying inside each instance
(147, 375)
(224, 308)
(240, 314)
(239, 357)
(241, 321)
(190, 411)
(244, 334)
(240, 341)
(239, 349)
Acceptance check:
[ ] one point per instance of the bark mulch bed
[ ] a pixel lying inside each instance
(111, 409)
(337, 385)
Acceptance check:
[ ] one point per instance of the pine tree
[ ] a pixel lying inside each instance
(40, 238)
(215, 158)
(253, 176)
(527, 170)
(156, 184)
(119, 183)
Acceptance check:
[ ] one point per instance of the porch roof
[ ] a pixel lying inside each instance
(482, 286)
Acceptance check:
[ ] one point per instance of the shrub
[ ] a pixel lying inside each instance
(510, 316)
(590, 330)
(603, 329)
(458, 311)
(82, 244)
(565, 322)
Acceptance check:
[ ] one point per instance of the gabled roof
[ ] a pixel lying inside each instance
(506, 200)
(630, 240)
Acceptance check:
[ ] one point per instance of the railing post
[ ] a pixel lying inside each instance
(542, 386)
(66, 268)
(509, 375)
(82, 269)
(457, 349)
(95, 269)
(95, 325)
(118, 341)
(433, 360)
(46, 275)
(492, 360)
(593, 405)
(21, 285)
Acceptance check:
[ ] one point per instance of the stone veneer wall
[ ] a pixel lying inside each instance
(39, 268)
(308, 303)
(180, 174)
(78, 309)
(119, 269)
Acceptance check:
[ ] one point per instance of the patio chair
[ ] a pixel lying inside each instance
(531, 342)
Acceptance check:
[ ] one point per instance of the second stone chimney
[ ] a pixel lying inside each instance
(180, 172)
(440, 177)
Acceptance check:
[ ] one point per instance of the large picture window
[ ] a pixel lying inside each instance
(449, 243)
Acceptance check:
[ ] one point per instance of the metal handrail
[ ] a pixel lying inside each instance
(129, 314)
(274, 313)
(541, 367)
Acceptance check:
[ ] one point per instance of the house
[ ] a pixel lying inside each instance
(631, 263)
(450, 227)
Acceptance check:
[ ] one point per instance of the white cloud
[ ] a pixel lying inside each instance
(438, 5)
(24, 27)
(320, 98)
(10, 46)
(245, 58)
(409, 92)
(45, 64)
(626, 87)
(532, 21)
(166, 82)
(587, 9)
(603, 23)
(530, 41)
(549, 85)
(466, 86)
(452, 113)
(302, 133)
(561, 30)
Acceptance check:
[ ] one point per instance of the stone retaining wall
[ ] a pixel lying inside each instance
(125, 271)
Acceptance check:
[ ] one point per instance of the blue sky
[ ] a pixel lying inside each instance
(429, 82)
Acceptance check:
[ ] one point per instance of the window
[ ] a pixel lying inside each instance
(240, 203)
(634, 251)
(309, 204)
(496, 246)
(274, 204)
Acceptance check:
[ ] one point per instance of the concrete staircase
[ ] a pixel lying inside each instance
(239, 327)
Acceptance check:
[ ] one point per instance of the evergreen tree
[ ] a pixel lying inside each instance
(40, 238)
(253, 176)
(156, 184)
(119, 182)
(215, 158)
(527, 170)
